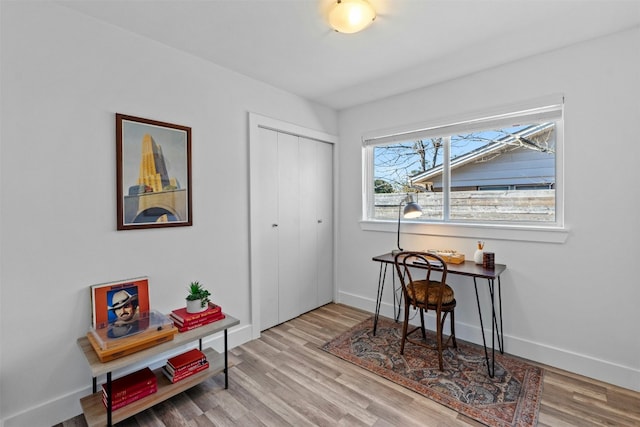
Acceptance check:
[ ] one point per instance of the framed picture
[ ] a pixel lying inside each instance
(118, 307)
(154, 173)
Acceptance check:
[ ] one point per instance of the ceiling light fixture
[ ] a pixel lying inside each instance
(351, 16)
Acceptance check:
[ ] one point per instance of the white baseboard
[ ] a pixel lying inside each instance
(67, 406)
(602, 370)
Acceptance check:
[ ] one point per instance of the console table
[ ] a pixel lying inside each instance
(467, 268)
(94, 410)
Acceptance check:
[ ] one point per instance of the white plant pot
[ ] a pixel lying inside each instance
(195, 306)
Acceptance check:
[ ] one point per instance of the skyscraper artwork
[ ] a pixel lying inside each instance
(154, 171)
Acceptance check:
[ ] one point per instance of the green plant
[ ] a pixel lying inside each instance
(197, 292)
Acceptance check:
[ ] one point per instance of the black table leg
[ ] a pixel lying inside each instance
(109, 400)
(500, 331)
(226, 362)
(484, 341)
(381, 276)
(495, 330)
(397, 306)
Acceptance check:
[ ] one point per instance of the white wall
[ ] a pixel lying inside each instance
(573, 305)
(64, 76)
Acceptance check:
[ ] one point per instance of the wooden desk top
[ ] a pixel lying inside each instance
(467, 268)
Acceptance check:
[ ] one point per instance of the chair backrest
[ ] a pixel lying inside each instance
(413, 266)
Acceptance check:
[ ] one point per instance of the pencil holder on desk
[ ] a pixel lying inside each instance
(488, 260)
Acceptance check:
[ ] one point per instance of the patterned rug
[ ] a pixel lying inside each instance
(511, 398)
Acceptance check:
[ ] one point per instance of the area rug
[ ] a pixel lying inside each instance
(510, 398)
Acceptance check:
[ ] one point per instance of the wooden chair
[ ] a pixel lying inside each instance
(426, 294)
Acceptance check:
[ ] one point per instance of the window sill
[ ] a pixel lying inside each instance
(473, 231)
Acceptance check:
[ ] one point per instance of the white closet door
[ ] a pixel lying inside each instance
(264, 206)
(291, 225)
(324, 200)
(308, 225)
(288, 227)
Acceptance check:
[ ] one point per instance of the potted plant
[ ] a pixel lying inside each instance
(198, 298)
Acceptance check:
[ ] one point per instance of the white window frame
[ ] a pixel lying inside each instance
(540, 109)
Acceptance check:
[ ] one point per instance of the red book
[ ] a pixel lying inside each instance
(186, 359)
(183, 327)
(200, 321)
(130, 398)
(131, 383)
(182, 315)
(185, 374)
(133, 396)
(191, 365)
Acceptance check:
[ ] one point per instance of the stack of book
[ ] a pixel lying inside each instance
(184, 365)
(185, 321)
(132, 387)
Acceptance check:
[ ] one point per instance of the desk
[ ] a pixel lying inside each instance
(467, 268)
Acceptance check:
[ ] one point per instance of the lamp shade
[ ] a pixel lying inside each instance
(351, 16)
(412, 210)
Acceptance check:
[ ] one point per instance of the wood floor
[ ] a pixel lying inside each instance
(284, 379)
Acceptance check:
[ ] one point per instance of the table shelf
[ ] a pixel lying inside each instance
(94, 410)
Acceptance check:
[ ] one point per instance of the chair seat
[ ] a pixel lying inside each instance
(419, 288)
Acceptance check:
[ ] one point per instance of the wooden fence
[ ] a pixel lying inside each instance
(504, 205)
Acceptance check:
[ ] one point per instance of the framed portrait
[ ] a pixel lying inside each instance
(153, 173)
(120, 308)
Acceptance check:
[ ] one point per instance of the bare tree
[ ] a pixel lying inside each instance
(397, 163)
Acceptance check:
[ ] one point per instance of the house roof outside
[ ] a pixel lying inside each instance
(528, 138)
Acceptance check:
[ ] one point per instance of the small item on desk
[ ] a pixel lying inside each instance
(433, 262)
(477, 256)
(488, 260)
(450, 256)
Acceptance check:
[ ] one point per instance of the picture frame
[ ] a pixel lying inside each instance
(119, 304)
(154, 185)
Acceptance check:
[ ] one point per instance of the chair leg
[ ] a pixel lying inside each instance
(424, 333)
(404, 327)
(453, 328)
(439, 338)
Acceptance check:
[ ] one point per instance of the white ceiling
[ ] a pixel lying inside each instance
(411, 44)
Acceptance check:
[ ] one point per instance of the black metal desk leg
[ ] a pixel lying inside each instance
(226, 362)
(495, 329)
(484, 341)
(500, 331)
(381, 276)
(397, 306)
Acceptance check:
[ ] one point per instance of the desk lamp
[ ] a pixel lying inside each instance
(411, 210)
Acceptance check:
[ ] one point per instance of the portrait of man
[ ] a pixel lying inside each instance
(123, 313)
(120, 308)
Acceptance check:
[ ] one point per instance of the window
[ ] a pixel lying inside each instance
(495, 169)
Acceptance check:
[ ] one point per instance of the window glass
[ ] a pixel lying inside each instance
(501, 174)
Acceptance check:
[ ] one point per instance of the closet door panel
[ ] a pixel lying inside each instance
(288, 227)
(264, 232)
(308, 225)
(325, 224)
